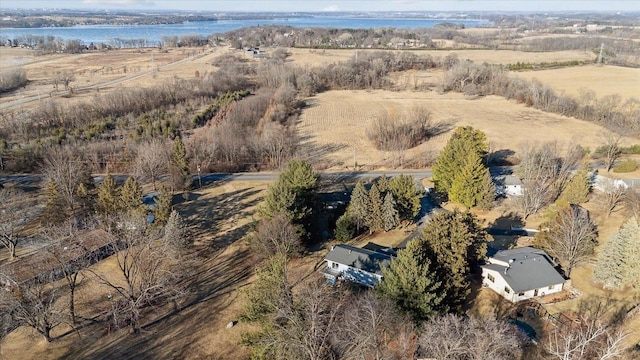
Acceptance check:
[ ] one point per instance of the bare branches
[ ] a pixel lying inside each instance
(611, 196)
(148, 268)
(571, 237)
(152, 161)
(591, 339)
(612, 149)
(68, 171)
(545, 170)
(454, 337)
(16, 211)
(275, 235)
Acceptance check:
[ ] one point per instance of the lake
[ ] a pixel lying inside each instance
(154, 33)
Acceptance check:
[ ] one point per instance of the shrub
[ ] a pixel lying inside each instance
(12, 79)
(626, 166)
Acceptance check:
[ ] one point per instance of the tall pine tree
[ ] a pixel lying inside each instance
(179, 166)
(411, 283)
(471, 186)
(162, 210)
(617, 265)
(108, 202)
(454, 242)
(452, 158)
(375, 220)
(579, 187)
(407, 196)
(390, 218)
(131, 196)
(294, 195)
(54, 205)
(359, 206)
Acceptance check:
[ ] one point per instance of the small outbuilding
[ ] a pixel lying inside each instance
(522, 273)
(357, 265)
(508, 185)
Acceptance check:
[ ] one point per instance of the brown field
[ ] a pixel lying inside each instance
(104, 71)
(604, 80)
(335, 124)
(315, 57)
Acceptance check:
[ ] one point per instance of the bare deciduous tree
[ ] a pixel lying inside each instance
(612, 149)
(545, 170)
(34, 303)
(148, 269)
(16, 211)
(68, 171)
(68, 256)
(152, 161)
(454, 337)
(590, 339)
(570, 238)
(275, 235)
(611, 196)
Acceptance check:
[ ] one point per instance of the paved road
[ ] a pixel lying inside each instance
(253, 176)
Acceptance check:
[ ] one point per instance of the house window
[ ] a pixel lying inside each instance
(334, 265)
(521, 293)
(507, 290)
(491, 278)
(550, 287)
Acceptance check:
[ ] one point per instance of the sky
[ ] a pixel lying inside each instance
(334, 5)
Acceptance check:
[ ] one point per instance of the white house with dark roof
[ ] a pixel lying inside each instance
(508, 185)
(522, 273)
(358, 265)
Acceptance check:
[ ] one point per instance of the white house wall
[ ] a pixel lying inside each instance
(355, 275)
(500, 284)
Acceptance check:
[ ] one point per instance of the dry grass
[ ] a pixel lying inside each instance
(105, 71)
(335, 123)
(604, 80)
(313, 57)
(219, 217)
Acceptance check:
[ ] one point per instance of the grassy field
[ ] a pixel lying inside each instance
(334, 125)
(603, 80)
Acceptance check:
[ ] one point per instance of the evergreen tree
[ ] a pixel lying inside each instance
(455, 243)
(175, 230)
(359, 206)
(264, 297)
(412, 285)
(131, 196)
(280, 198)
(469, 187)
(374, 220)
(108, 202)
(163, 207)
(618, 265)
(488, 191)
(407, 196)
(179, 166)
(383, 184)
(579, 187)
(463, 141)
(293, 194)
(390, 218)
(53, 208)
(344, 228)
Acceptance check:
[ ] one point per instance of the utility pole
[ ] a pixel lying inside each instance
(355, 163)
(600, 56)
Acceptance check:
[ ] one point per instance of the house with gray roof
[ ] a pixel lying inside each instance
(522, 273)
(357, 265)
